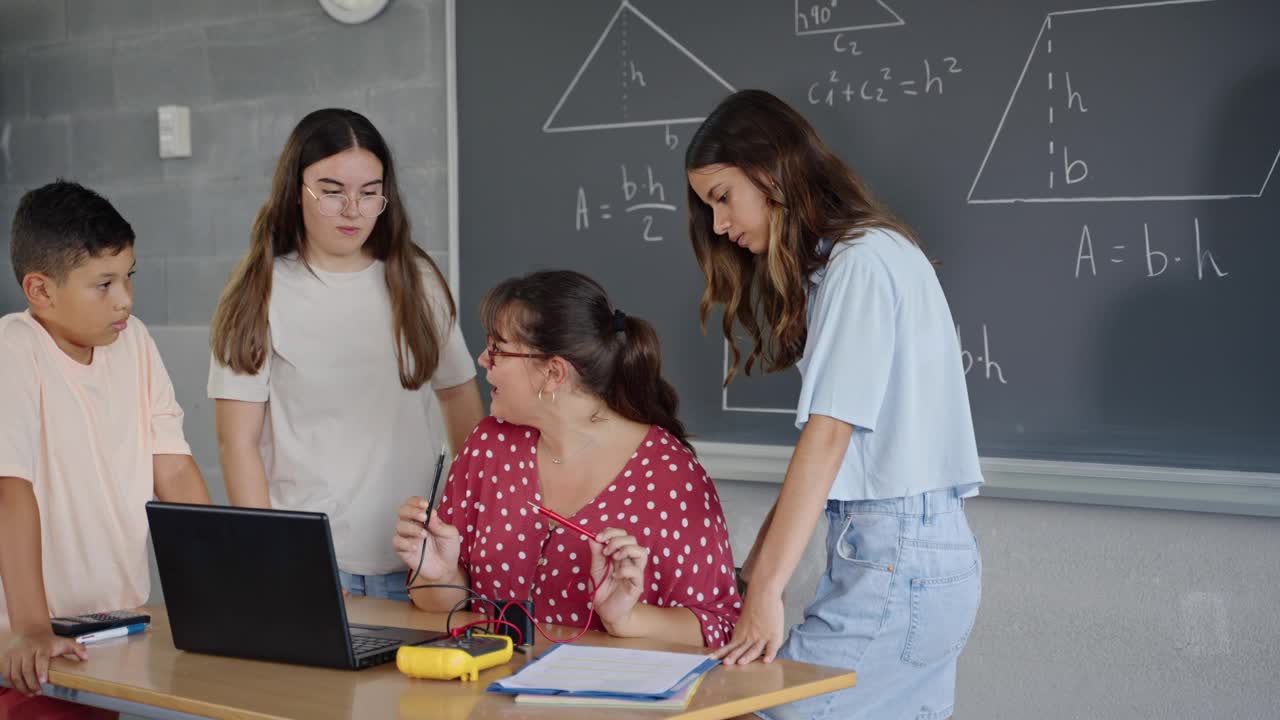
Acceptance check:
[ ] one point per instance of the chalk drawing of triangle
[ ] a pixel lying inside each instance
(636, 75)
(814, 17)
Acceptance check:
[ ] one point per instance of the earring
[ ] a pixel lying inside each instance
(539, 396)
(553, 396)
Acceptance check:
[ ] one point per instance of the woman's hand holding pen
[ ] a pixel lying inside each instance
(617, 591)
(442, 542)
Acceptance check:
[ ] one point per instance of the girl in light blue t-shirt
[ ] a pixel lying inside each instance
(820, 276)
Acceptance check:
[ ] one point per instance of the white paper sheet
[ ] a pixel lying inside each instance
(574, 668)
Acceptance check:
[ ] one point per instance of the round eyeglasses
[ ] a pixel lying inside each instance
(334, 204)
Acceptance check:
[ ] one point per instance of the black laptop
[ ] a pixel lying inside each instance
(262, 584)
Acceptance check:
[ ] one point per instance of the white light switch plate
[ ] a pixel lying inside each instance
(175, 131)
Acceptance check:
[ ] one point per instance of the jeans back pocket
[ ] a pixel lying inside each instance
(943, 611)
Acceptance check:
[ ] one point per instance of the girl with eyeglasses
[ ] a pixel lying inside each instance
(332, 335)
(785, 232)
(584, 425)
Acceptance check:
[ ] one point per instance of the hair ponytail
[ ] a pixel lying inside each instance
(638, 390)
(618, 357)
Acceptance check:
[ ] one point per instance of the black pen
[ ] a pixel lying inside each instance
(435, 485)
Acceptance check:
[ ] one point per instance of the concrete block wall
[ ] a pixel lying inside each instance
(80, 81)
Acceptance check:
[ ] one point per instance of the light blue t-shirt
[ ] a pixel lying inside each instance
(882, 355)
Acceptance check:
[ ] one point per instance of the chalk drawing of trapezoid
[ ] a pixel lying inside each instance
(1139, 102)
(636, 75)
(814, 17)
(774, 393)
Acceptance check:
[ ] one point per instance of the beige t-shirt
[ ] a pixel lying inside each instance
(341, 435)
(84, 435)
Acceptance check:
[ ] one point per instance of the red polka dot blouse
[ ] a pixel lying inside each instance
(663, 497)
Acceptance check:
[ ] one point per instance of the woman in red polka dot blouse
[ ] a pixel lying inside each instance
(584, 424)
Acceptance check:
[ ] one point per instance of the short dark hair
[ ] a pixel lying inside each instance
(57, 226)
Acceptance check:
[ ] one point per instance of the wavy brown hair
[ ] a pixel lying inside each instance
(618, 357)
(813, 195)
(240, 337)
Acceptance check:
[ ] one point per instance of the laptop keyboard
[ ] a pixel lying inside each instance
(362, 645)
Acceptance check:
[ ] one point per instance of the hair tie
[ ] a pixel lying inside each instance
(619, 321)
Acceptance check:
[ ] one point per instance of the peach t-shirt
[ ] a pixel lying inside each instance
(84, 435)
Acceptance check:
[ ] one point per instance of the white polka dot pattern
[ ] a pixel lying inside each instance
(675, 495)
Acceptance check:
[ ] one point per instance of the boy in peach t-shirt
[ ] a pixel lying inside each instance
(89, 432)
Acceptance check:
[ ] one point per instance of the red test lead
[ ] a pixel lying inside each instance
(567, 523)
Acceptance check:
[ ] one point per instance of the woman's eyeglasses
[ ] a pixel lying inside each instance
(334, 204)
(495, 353)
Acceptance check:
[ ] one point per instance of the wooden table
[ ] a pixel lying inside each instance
(145, 675)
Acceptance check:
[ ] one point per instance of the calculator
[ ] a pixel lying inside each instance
(77, 625)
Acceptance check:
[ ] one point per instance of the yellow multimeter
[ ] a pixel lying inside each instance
(448, 658)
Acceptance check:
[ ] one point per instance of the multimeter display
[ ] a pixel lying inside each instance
(475, 647)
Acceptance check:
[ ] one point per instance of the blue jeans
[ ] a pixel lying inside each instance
(389, 586)
(896, 605)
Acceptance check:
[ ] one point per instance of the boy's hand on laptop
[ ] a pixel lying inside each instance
(25, 664)
(443, 541)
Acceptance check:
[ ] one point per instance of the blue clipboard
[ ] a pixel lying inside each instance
(697, 672)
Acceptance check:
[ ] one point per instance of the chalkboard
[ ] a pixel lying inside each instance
(1097, 181)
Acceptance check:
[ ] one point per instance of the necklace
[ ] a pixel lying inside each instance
(570, 456)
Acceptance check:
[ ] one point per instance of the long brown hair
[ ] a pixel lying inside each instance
(813, 195)
(240, 337)
(618, 356)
